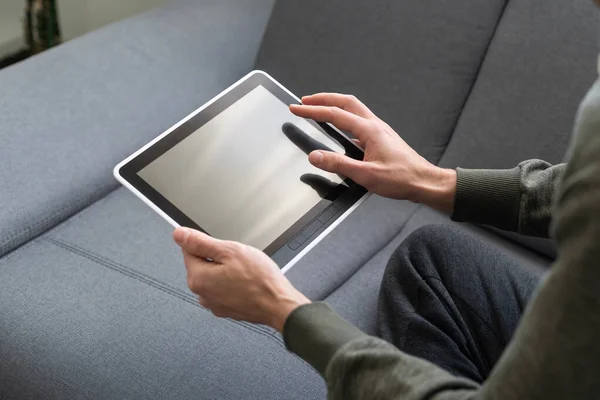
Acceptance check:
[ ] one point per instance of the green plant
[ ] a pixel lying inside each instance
(41, 25)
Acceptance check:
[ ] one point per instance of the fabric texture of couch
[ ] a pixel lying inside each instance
(93, 295)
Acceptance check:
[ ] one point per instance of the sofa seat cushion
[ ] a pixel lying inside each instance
(98, 306)
(126, 233)
(76, 324)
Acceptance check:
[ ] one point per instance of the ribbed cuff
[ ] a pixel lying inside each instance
(490, 197)
(315, 332)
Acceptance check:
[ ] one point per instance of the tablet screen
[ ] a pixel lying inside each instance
(244, 175)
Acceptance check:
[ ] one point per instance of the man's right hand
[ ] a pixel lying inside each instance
(390, 168)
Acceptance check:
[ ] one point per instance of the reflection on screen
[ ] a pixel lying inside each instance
(245, 174)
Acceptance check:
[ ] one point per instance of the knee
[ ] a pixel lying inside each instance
(429, 237)
(422, 250)
(411, 261)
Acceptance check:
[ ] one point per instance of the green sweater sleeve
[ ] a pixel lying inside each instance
(358, 366)
(518, 199)
(554, 353)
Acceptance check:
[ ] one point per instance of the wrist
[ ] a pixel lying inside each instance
(283, 306)
(437, 189)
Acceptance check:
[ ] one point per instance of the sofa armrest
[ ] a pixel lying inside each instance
(68, 115)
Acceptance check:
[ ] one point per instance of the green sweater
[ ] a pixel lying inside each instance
(555, 352)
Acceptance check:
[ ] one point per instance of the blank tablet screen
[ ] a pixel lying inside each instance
(244, 175)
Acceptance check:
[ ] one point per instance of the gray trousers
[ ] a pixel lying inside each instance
(453, 300)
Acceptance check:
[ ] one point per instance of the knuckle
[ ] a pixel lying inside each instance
(196, 284)
(374, 125)
(243, 251)
(371, 127)
(218, 312)
(371, 171)
(193, 284)
(232, 249)
(330, 115)
(202, 301)
(196, 244)
(351, 98)
(336, 161)
(334, 113)
(384, 126)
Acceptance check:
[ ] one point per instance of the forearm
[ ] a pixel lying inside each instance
(358, 366)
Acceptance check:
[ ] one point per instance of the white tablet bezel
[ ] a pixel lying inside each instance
(171, 221)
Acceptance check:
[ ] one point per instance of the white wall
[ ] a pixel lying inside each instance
(73, 17)
(11, 37)
(80, 16)
(76, 17)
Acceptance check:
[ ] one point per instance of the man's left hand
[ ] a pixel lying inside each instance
(240, 282)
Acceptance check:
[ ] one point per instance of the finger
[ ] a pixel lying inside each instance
(337, 164)
(201, 274)
(202, 301)
(357, 143)
(344, 101)
(342, 119)
(200, 244)
(220, 312)
(193, 261)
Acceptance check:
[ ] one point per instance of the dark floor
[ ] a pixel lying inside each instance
(13, 58)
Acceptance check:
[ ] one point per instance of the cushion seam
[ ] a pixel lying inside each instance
(474, 83)
(121, 268)
(117, 267)
(262, 37)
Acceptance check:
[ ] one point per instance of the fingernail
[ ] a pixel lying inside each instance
(317, 157)
(181, 235)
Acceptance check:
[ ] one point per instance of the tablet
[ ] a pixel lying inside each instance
(237, 169)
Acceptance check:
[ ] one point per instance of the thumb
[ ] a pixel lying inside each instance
(336, 163)
(198, 244)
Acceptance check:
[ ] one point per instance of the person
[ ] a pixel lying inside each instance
(458, 320)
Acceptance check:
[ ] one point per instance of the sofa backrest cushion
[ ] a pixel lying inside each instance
(540, 63)
(412, 61)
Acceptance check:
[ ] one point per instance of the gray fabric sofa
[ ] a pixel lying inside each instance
(93, 295)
